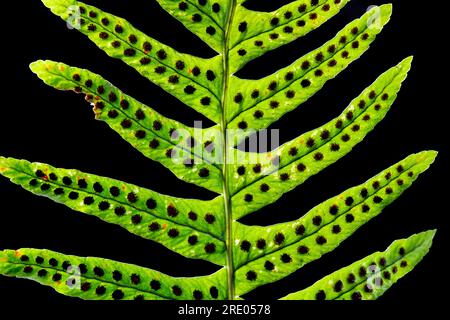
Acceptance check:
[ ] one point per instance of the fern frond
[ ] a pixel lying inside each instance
(161, 139)
(371, 277)
(102, 279)
(255, 33)
(171, 70)
(291, 164)
(289, 246)
(192, 228)
(258, 103)
(203, 18)
(250, 256)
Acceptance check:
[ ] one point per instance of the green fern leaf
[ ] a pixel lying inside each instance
(369, 278)
(171, 70)
(255, 33)
(102, 279)
(157, 137)
(204, 19)
(249, 256)
(146, 213)
(289, 246)
(292, 163)
(281, 92)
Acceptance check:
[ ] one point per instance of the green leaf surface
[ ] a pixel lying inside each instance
(206, 19)
(258, 103)
(171, 70)
(102, 279)
(289, 246)
(190, 227)
(251, 256)
(169, 142)
(294, 162)
(371, 277)
(255, 33)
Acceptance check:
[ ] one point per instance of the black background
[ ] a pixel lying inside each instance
(41, 124)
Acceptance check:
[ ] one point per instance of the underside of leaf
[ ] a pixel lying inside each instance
(155, 136)
(102, 279)
(369, 278)
(250, 256)
(289, 246)
(192, 228)
(294, 162)
(195, 81)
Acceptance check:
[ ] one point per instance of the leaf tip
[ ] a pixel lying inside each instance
(61, 8)
(426, 238)
(3, 165)
(43, 69)
(406, 64)
(379, 16)
(386, 9)
(403, 68)
(431, 233)
(428, 157)
(37, 66)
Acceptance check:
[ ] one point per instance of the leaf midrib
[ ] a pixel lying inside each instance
(116, 201)
(315, 148)
(332, 221)
(134, 120)
(384, 268)
(206, 14)
(290, 83)
(280, 24)
(153, 57)
(229, 239)
(90, 278)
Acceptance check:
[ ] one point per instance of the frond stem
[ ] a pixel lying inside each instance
(226, 194)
